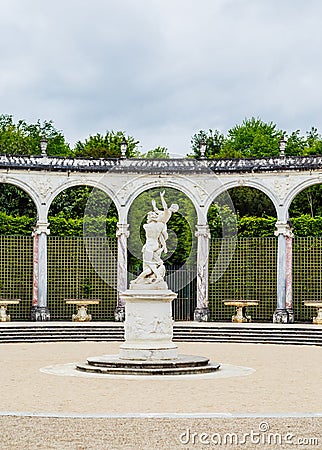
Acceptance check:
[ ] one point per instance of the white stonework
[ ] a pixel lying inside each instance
(148, 325)
(281, 179)
(122, 234)
(203, 237)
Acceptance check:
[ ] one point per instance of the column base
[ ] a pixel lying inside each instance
(119, 314)
(290, 315)
(201, 315)
(283, 316)
(4, 317)
(39, 314)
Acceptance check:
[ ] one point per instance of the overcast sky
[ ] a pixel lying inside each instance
(161, 70)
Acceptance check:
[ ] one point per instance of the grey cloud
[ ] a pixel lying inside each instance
(161, 70)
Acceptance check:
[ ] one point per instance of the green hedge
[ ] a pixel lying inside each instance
(303, 225)
(59, 225)
(21, 225)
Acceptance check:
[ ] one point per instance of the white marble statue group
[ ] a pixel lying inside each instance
(156, 237)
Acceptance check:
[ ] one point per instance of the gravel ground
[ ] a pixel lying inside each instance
(286, 381)
(155, 434)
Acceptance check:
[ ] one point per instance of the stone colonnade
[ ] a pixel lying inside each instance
(284, 309)
(280, 178)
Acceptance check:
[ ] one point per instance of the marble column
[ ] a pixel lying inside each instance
(202, 313)
(122, 234)
(289, 272)
(284, 310)
(39, 310)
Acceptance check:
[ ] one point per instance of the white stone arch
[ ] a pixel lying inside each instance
(86, 182)
(311, 181)
(225, 186)
(142, 184)
(27, 188)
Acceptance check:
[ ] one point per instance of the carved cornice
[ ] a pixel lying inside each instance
(166, 166)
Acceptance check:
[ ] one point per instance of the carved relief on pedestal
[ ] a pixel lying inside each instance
(152, 328)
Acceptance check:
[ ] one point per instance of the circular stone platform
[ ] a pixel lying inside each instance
(183, 365)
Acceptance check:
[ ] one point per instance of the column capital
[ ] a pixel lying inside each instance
(122, 229)
(283, 228)
(203, 231)
(41, 227)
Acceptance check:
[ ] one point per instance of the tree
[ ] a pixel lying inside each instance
(252, 139)
(313, 142)
(214, 141)
(106, 146)
(16, 202)
(299, 145)
(308, 201)
(251, 202)
(24, 139)
(158, 152)
(255, 139)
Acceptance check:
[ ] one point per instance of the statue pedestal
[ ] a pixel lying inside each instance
(148, 324)
(148, 348)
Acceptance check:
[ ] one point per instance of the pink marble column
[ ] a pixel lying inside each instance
(202, 313)
(39, 310)
(289, 294)
(35, 270)
(284, 311)
(122, 234)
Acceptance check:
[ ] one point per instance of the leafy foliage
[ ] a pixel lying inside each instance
(11, 226)
(309, 201)
(106, 146)
(306, 225)
(62, 226)
(254, 138)
(16, 202)
(221, 221)
(158, 153)
(214, 141)
(251, 202)
(59, 225)
(23, 139)
(72, 203)
(256, 226)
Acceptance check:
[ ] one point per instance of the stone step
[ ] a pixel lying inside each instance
(109, 332)
(255, 340)
(113, 365)
(246, 333)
